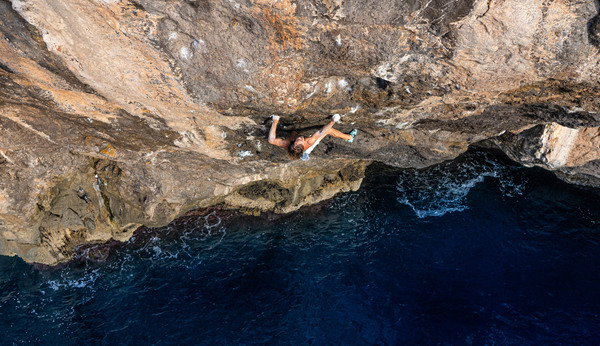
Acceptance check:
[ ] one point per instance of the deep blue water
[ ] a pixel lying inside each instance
(474, 252)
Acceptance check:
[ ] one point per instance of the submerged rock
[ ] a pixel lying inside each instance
(155, 108)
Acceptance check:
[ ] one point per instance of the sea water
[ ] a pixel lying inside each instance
(477, 251)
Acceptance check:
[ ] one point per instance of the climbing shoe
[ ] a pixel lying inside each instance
(353, 134)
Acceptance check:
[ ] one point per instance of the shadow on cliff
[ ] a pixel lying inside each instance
(594, 28)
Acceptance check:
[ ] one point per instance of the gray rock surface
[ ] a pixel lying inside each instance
(121, 113)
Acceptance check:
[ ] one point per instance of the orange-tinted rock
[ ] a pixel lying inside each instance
(121, 113)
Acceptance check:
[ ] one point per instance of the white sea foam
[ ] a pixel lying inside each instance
(444, 188)
(439, 200)
(207, 222)
(206, 230)
(66, 280)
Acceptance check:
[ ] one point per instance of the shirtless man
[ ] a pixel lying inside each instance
(296, 145)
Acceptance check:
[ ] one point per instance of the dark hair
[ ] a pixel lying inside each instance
(295, 151)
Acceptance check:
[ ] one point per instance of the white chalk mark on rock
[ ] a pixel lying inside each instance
(312, 93)
(185, 53)
(244, 153)
(329, 87)
(200, 46)
(243, 64)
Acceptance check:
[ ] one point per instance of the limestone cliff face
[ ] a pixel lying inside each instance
(121, 113)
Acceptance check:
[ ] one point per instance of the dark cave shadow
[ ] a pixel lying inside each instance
(594, 28)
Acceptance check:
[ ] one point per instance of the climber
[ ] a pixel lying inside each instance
(299, 146)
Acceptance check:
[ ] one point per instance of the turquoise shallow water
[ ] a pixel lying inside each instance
(474, 252)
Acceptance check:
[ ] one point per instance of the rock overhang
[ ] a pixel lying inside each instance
(154, 108)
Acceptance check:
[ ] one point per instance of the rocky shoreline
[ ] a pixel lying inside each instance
(120, 113)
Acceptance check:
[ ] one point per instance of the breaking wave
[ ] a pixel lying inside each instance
(444, 188)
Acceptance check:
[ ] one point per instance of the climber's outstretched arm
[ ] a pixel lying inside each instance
(323, 131)
(283, 143)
